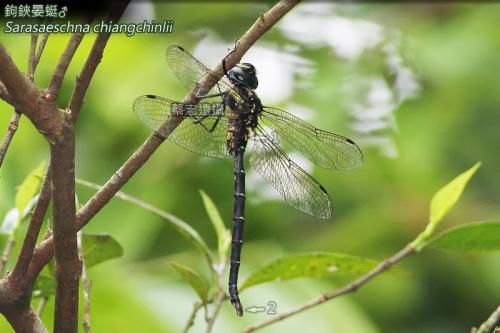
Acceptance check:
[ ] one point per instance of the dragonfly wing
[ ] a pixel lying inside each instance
(189, 70)
(295, 185)
(325, 149)
(200, 133)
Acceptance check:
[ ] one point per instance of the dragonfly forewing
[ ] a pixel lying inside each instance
(323, 148)
(190, 71)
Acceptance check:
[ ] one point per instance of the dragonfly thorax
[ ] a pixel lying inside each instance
(244, 74)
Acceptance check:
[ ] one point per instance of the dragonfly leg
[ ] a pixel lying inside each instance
(200, 96)
(214, 125)
(209, 96)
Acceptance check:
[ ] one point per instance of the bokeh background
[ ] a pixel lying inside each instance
(416, 85)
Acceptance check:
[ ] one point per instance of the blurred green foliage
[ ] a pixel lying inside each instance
(453, 123)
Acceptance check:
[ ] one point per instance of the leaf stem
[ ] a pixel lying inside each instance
(197, 306)
(217, 305)
(349, 288)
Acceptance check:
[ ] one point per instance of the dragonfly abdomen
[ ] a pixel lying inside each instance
(239, 143)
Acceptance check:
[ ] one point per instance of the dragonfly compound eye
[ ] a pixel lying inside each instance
(244, 74)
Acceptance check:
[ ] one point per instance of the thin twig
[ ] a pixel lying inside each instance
(41, 305)
(9, 135)
(5, 254)
(32, 56)
(62, 66)
(205, 312)
(86, 288)
(44, 300)
(349, 288)
(217, 305)
(197, 306)
(41, 47)
(490, 323)
(34, 228)
(45, 252)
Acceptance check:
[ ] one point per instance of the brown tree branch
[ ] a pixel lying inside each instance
(83, 80)
(15, 296)
(4, 94)
(33, 231)
(64, 233)
(62, 66)
(349, 288)
(68, 265)
(85, 76)
(41, 109)
(44, 252)
(28, 100)
(9, 135)
(25, 321)
(14, 121)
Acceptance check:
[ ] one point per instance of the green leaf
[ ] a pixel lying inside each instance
(98, 248)
(446, 197)
(473, 237)
(199, 285)
(44, 286)
(442, 202)
(315, 264)
(223, 234)
(29, 188)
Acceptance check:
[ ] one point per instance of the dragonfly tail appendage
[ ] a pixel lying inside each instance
(235, 300)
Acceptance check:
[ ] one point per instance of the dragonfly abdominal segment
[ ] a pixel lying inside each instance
(222, 129)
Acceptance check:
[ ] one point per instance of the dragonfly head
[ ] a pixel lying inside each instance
(244, 74)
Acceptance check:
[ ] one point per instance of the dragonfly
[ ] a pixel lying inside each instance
(224, 129)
